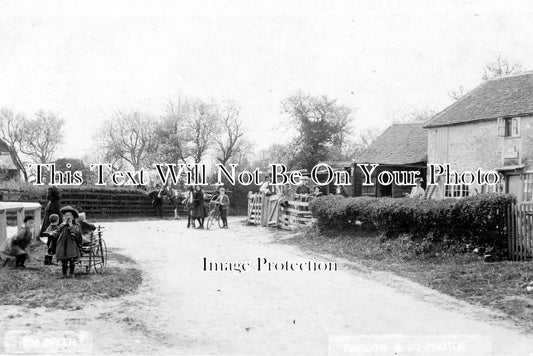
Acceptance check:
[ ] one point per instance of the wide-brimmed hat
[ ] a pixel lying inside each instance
(69, 209)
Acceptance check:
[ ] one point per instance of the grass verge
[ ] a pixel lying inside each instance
(498, 285)
(41, 286)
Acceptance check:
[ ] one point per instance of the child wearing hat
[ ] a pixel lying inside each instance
(68, 240)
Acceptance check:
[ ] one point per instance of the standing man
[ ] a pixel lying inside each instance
(223, 205)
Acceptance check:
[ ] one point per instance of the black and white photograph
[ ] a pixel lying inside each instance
(298, 177)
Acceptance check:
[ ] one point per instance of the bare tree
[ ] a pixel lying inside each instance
(500, 67)
(129, 136)
(37, 138)
(43, 136)
(12, 131)
(201, 123)
(172, 135)
(414, 115)
(230, 137)
(458, 93)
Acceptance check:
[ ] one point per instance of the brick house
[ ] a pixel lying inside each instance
(401, 147)
(490, 128)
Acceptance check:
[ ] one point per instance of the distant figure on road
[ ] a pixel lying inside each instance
(176, 199)
(157, 200)
(223, 201)
(199, 206)
(189, 207)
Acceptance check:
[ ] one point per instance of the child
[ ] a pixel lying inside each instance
(223, 201)
(52, 240)
(68, 240)
(86, 228)
(21, 241)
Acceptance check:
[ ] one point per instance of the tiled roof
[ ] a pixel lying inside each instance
(501, 97)
(400, 144)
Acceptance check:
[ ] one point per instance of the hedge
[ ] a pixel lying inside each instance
(479, 220)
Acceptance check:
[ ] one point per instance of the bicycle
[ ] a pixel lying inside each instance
(214, 215)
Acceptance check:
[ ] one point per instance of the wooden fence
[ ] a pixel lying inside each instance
(273, 211)
(99, 203)
(520, 231)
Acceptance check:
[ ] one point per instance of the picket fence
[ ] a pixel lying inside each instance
(520, 231)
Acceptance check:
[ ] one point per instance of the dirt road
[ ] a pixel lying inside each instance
(183, 309)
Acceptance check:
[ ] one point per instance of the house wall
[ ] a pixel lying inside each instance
(477, 145)
(397, 191)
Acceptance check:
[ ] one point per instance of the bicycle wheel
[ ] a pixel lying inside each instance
(100, 257)
(210, 219)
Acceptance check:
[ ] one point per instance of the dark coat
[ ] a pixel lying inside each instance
(157, 197)
(198, 205)
(53, 207)
(224, 202)
(68, 242)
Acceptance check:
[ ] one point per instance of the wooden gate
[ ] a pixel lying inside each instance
(520, 231)
(273, 210)
(255, 206)
(295, 215)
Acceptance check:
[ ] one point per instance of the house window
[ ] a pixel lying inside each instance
(456, 191)
(509, 127)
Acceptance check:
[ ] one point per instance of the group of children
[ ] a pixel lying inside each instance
(197, 210)
(195, 204)
(64, 240)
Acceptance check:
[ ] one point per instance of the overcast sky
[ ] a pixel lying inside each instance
(84, 60)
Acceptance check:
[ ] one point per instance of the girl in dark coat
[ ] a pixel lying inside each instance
(199, 207)
(69, 240)
(52, 207)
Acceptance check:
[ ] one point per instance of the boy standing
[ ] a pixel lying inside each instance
(223, 202)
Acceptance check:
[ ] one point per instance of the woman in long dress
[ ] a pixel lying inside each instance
(199, 207)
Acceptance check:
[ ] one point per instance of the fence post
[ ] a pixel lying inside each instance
(3, 225)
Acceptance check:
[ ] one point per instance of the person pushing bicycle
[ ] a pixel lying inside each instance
(223, 205)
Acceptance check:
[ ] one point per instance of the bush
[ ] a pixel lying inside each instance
(479, 220)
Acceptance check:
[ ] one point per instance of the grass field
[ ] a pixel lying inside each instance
(498, 285)
(39, 285)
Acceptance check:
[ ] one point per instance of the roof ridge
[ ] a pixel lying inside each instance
(407, 123)
(527, 72)
(456, 102)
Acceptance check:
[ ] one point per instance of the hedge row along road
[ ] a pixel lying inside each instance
(183, 309)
